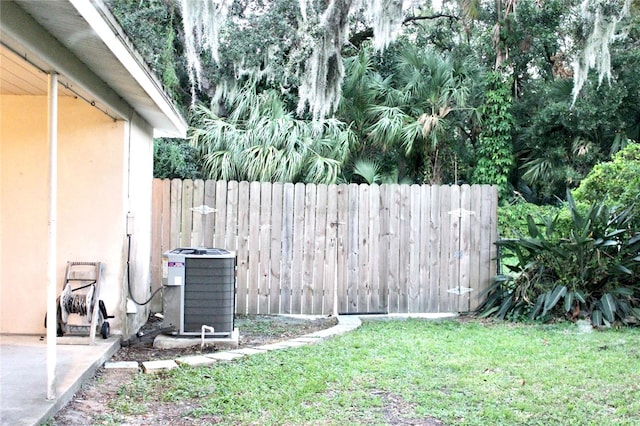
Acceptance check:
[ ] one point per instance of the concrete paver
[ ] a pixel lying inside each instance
(248, 351)
(156, 366)
(195, 360)
(225, 356)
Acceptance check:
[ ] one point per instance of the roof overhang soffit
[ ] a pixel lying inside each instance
(80, 40)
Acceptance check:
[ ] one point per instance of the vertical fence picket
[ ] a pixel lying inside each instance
(464, 278)
(175, 212)
(308, 247)
(287, 247)
(404, 229)
(394, 249)
(197, 236)
(485, 238)
(220, 214)
(474, 246)
(242, 253)
(414, 289)
(254, 247)
(231, 226)
(186, 215)
(210, 219)
(165, 239)
(434, 244)
(363, 247)
(455, 218)
(298, 249)
(384, 252)
(375, 300)
(275, 248)
(264, 240)
(156, 243)
(425, 248)
(492, 198)
(342, 236)
(352, 245)
(321, 250)
(331, 256)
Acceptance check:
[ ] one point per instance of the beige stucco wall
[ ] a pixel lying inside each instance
(97, 181)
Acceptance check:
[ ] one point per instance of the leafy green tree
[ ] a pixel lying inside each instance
(154, 28)
(410, 108)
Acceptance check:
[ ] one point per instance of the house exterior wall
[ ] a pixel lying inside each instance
(97, 179)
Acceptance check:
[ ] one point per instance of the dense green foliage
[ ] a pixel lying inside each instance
(495, 147)
(408, 108)
(615, 182)
(512, 218)
(429, 108)
(261, 141)
(174, 158)
(153, 27)
(593, 268)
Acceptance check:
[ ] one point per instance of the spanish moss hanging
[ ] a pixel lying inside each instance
(599, 20)
(324, 25)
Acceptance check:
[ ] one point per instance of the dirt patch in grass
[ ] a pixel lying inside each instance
(396, 408)
(91, 404)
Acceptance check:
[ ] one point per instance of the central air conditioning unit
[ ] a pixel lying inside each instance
(199, 288)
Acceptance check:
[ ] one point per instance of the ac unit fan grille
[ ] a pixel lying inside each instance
(209, 294)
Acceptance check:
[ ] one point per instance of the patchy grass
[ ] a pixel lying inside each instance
(416, 372)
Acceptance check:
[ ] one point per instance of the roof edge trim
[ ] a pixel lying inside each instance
(100, 19)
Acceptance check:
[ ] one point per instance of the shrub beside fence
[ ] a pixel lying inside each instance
(366, 248)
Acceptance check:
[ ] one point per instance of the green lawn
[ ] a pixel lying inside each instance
(388, 372)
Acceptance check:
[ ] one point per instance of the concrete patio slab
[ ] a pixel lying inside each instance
(23, 375)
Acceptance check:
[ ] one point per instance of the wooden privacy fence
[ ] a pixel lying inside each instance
(368, 248)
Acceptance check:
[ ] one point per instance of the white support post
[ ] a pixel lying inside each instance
(53, 238)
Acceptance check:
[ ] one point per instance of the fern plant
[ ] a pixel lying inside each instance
(591, 270)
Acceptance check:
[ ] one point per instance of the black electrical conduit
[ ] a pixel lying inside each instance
(129, 277)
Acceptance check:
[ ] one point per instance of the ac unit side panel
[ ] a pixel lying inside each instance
(172, 303)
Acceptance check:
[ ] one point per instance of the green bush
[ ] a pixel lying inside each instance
(615, 182)
(592, 264)
(513, 219)
(174, 158)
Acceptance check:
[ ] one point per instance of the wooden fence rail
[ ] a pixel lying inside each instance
(367, 248)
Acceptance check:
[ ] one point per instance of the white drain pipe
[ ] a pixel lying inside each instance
(204, 328)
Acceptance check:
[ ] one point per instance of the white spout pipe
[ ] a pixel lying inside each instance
(204, 328)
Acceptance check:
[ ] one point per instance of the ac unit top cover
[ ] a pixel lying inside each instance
(205, 252)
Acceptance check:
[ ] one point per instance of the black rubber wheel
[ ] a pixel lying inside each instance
(104, 330)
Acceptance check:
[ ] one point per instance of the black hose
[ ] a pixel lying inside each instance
(129, 277)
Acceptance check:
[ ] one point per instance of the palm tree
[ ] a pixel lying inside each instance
(260, 140)
(411, 109)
